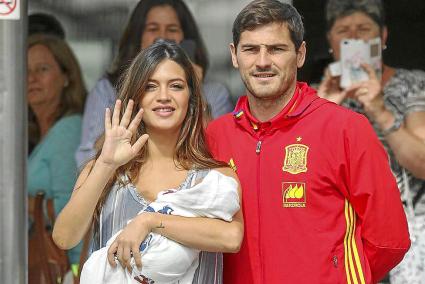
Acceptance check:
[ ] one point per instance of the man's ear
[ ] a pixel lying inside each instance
(233, 54)
(301, 54)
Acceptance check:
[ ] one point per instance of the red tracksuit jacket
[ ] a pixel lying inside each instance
(319, 200)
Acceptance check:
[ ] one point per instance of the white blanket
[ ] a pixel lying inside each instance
(165, 261)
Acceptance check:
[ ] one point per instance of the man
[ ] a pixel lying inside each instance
(320, 202)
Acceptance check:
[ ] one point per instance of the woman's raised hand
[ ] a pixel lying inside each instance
(118, 149)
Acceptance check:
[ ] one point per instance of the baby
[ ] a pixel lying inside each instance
(165, 261)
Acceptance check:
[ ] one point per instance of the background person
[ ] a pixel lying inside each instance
(56, 95)
(395, 106)
(42, 24)
(150, 20)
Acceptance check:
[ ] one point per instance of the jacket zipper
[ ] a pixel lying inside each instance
(258, 147)
(257, 151)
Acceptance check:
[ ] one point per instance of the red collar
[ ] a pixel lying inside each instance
(299, 103)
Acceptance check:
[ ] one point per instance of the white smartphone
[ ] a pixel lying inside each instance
(353, 54)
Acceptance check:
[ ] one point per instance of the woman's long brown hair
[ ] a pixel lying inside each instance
(130, 42)
(191, 148)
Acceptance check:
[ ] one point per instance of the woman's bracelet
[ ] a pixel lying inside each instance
(160, 226)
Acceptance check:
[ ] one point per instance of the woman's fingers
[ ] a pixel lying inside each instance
(136, 121)
(327, 79)
(116, 114)
(120, 251)
(127, 114)
(137, 256)
(126, 121)
(370, 71)
(354, 87)
(139, 143)
(361, 89)
(126, 256)
(329, 85)
(112, 253)
(107, 119)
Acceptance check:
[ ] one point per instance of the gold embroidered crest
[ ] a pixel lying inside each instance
(295, 159)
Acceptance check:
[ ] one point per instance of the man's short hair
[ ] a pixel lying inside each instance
(262, 12)
(41, 23)
(339, 8)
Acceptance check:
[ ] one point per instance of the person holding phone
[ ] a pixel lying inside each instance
(394, 104)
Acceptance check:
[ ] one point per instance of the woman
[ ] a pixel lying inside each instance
(166, 151)
(56, 95)
(395, 104)
(150, 20)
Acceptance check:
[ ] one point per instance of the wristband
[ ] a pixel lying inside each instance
(398, 121)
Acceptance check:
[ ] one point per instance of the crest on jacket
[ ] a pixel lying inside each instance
(295, 159)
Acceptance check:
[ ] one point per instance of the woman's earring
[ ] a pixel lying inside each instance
(384, 47)
(330, 50)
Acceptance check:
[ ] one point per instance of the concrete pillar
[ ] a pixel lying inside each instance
(13, 147)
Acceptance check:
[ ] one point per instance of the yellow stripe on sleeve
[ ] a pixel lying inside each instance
(356, 253)
(350, 251)
(346, 252)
